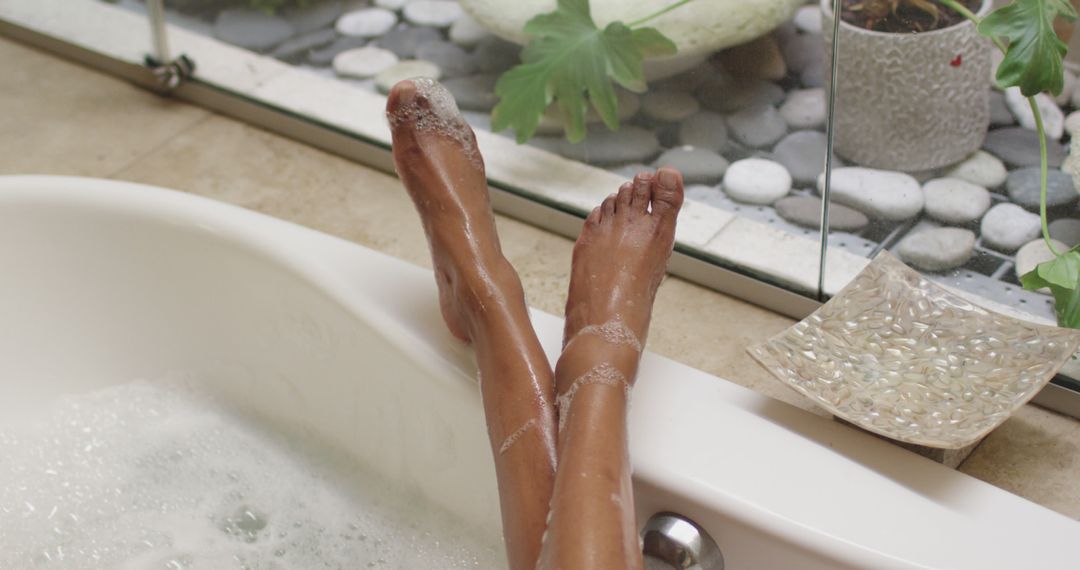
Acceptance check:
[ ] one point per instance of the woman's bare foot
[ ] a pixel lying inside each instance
(436, 157)
(482, 302)
(621, 257)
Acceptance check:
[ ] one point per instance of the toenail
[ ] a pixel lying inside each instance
(668, 178)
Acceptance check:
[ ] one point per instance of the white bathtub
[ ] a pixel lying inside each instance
(102, 281)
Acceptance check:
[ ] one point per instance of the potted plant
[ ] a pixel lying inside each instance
(912, 92)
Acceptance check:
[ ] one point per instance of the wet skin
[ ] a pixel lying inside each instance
(618, 263)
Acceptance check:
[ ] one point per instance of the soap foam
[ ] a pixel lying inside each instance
(433, 109)
(603, 374)
(152, 476)
(615, 331)
(514, 437)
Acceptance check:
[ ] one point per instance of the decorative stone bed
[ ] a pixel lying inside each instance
(746, 127)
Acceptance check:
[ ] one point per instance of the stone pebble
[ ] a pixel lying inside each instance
(406, 69)
(365, 62)
(1017, 146)
(314, 16)
(803, 154)
(394, 5)
(808, 19)
(756, 181)
(803, 52)
(604, 147)
(804, 109)
(1032, 254)
(325, 55)
(475, 92)
(1053, 118)
(1066, 230)
(937, 249)
(300, 46)
(467, 32)
(704, 129)
(883, 194)
(452, 59)
(1023, 186)
(496, 55)
(955, 201)
(697, 165)
(1072, 123)
(757, 126)
(1000, 115)
(432, 13)
(366, 23)
(1006, 227)
(760, 59)
(806, 211)
(725, 94)
(981, 168)
(669, 106)
(251, 29)
(405, 42)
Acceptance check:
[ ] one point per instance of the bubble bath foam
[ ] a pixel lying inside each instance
(159, 476)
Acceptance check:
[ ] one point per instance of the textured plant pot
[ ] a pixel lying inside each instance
(910, 101)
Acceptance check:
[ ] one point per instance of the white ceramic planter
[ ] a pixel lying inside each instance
(910, 101)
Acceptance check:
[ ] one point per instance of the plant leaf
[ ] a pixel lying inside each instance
(1062, 276)
(1033, 58)
(573, 63)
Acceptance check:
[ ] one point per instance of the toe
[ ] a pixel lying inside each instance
(402, 95)
(594, 217)
(622, 200)
(642, 189)
(607, 208)
(667, 192)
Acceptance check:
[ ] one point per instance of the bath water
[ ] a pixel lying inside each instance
(158, 476)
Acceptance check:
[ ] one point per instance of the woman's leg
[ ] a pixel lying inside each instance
(619, 260)
(482, 302)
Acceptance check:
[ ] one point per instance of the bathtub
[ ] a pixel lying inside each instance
(104, 281)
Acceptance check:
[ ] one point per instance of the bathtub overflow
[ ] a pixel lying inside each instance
(673, 542)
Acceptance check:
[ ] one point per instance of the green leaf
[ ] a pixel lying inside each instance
(573, 63)
(1062, 276)
(1033, 58)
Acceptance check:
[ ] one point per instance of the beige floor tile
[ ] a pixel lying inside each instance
(60, 118)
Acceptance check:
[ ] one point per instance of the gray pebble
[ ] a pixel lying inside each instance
(325, 55)
(496, 55)
(432, 13)
(603, 147)
(1066, 230)
(394, 5)
(955, 201)
(704, 129)
(803, 52)
(313, 17)
(668, 106)
(474, 93)
(251, 29)
(1000, 115)
(1018, 146)
(366, 23)
(1008, 226)
(451, 58)
(813, 76)
(806, 211)
(407, 69)
(803, 154)
(1023, 188)
(725, 94)
(937, 249)
(299, 47)
(697, 165)
(758, 126)
(406, 41)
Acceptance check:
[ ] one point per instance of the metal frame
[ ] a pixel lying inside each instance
(692, 266)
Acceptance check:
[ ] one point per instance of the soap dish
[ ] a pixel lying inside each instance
(900, 356)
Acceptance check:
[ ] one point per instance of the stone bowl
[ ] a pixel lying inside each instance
(698, 28)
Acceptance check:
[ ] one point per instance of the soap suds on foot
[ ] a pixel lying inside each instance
(433, 109)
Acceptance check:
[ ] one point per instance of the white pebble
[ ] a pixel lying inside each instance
(467, 32)
(1053, 118)
(364, 62)
(366, 23)
(757, 181)
(808, 19)
(982, 169)
(881, 194)
(1008, 226)
(955, 201)
(432, 13)
(804, 109)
